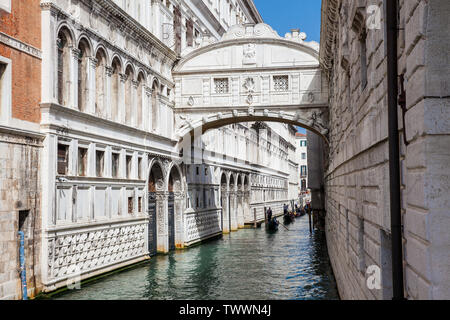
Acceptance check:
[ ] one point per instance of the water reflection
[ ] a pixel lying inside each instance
(249, 264)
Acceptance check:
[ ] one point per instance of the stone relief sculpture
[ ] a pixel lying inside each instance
(249, 54)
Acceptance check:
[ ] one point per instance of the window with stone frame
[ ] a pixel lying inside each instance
(281, 83)
(2, 75)
(63, 159)
(140, 204)
(115, 164)
(82, 161)
(221, 85)
(130, 205)
(99, 162)
(129, 162)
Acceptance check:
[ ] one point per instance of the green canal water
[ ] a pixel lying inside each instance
(249, 264)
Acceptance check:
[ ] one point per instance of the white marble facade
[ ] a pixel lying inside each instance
(112, 111)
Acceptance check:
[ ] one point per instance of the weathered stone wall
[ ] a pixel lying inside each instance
(19, 191)
(357, 177)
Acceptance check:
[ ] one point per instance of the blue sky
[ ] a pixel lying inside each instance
(284, 15)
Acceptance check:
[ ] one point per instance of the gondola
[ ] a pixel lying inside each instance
(272, 225)
(287, 218)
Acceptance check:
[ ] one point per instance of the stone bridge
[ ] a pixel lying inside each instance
(252, 74)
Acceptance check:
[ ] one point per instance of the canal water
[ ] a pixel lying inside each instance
(249, 264)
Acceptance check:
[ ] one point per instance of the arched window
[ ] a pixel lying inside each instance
(128, 94)
(140, 99)
(155, 107)
(83, 82)
(64, 43)
(100, 83)
(115, 84)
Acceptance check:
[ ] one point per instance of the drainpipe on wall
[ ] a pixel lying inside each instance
(23, 274)
(394, 154)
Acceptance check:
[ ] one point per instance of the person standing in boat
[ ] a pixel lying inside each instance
(269, 214)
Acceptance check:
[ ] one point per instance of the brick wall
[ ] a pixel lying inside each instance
(24, 24)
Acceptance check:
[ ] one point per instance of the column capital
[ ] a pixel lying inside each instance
(76, 53)
(93, 61)
(108, 71)
(148, 90)
(123, 77)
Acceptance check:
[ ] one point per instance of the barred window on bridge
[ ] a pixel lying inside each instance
(221, 85)
(281, 83)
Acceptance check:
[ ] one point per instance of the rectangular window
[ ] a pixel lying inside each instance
(82, 162)
(197, 169)
(140, 204)
(221, 85)
(115, 165)
(99, 163)
(129, 158)
(303, 156)
(2, 72)
(303, 171)
(130, 204)
(281, 83)
(63, 159)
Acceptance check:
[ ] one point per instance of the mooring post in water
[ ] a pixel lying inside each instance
(23, 273)
(254, 218)
(309, 218)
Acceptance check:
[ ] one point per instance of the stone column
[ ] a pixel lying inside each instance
(121, 103)
(225, 210)
(240, 209)
(134, 103)
(162, 223)
(91, 85)
(72, 85)
(179, 219)
(148, 107)
(233, 210)
(107, 97)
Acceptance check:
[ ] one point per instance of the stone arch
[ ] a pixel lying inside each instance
(156, 181)
(101, 47)
(156, 208)
(84, 38)
(173, 176)
(313, 120)
(64, 46)
(116, 71)
(175, 208)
